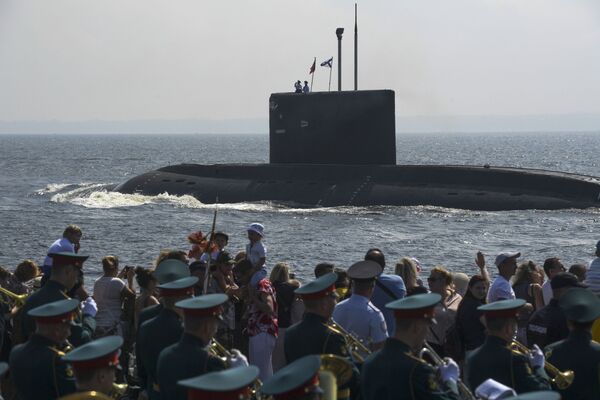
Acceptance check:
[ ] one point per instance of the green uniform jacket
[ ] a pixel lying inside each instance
(394, 373)
(147, 314)
(38, 372)
(581, 355)
(83, 327)
(494, 359)
(186, 359)
(154, 336)
(311, 336)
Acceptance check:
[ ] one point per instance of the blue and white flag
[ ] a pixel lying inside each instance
(327, 63)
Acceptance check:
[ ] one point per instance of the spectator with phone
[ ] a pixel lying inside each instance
(109, 292)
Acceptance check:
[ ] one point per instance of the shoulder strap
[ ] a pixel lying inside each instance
(386, 289)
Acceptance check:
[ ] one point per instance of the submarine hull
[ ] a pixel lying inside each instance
(329, 185)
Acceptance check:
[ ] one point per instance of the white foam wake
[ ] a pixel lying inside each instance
(52, 188)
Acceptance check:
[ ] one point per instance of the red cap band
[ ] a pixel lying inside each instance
(205, 312)
(188, 291)
(110, 360)
(197, 394)
(57, 319)
(317, 295)
(299, 391)
(418, 313)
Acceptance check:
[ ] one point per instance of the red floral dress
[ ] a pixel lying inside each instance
(258, 321)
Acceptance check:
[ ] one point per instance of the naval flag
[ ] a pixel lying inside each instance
(312, 67)
(327, 63)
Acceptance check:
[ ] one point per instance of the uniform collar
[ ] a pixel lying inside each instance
(577, 335)
(393, 344)
(496, 341)
(188, 338)
(42, 340)
(314, 317)
(358, 299)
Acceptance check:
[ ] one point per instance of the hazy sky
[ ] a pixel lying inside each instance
(192, 59)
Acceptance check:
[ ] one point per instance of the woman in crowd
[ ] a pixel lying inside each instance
(147, 297)
(471, 330)
(440, 282)
(406, 268)
(285, 297)
(222, 281)
(527, 284)
(26, 273)
(109, 293)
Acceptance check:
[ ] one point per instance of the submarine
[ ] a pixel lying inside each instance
(330, 149)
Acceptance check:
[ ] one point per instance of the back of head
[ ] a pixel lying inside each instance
(323, 269)
(72, 230)
(376, 255)
(550, 263)
(143, 277)
(110, 263)
(171, 255)
(524, 272)
(407, 270)
(579, 270)
(26, 270)
(280, 273)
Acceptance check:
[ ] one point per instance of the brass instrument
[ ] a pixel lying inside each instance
(218, 350)
(463, 390)
(19, 299)
(356, 348)
(562, 379)
(341, 370)
(119, 391)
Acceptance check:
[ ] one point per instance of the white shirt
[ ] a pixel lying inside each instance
(255, 251)
(107, 293)
(547, 292)
(500, 290)
(592, 278)
(62, 245)
(362, 319)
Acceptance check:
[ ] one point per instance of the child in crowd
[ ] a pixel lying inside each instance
(256, 252)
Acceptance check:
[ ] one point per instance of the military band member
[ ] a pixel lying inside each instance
(396, 372)
(66, 269)
(167, 271)
(297, 381)
(189, 357)
(357, 314)
(94, 364)
(37, 370)
(578, 352)
(230, 384)
(496, 360)
(163, 330)
(311, 335)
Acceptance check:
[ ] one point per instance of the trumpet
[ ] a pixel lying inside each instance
(356, 348)
(562, 379)
(19, 299)
(218, 350)
(463, 390)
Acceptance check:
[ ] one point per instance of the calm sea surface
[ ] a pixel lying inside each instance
(47, 182)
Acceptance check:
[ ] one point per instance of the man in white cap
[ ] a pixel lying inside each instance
(501, 289)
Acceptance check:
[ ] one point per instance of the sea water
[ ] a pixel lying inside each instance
(50, 181)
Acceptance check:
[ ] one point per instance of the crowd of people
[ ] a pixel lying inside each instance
(209, 310)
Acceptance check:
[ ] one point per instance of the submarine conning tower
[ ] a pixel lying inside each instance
(348, 127)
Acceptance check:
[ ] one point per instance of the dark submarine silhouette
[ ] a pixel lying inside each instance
(332, 149)
(339, 149)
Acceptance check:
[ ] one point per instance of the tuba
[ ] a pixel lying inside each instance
(562, 379)
(356, 348)
(463, 390)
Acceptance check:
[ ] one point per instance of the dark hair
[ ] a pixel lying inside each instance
(243, 267)
(72, 230)
(144, 276)
(376, 255)
(222, 234)
(551, 263)
(342, 278)
(323, 268)
(26, 270)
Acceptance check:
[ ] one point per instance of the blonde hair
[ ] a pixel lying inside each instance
(443, 272)
(407, 270)
(280, 273)
(109, 263)
(524, 272)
